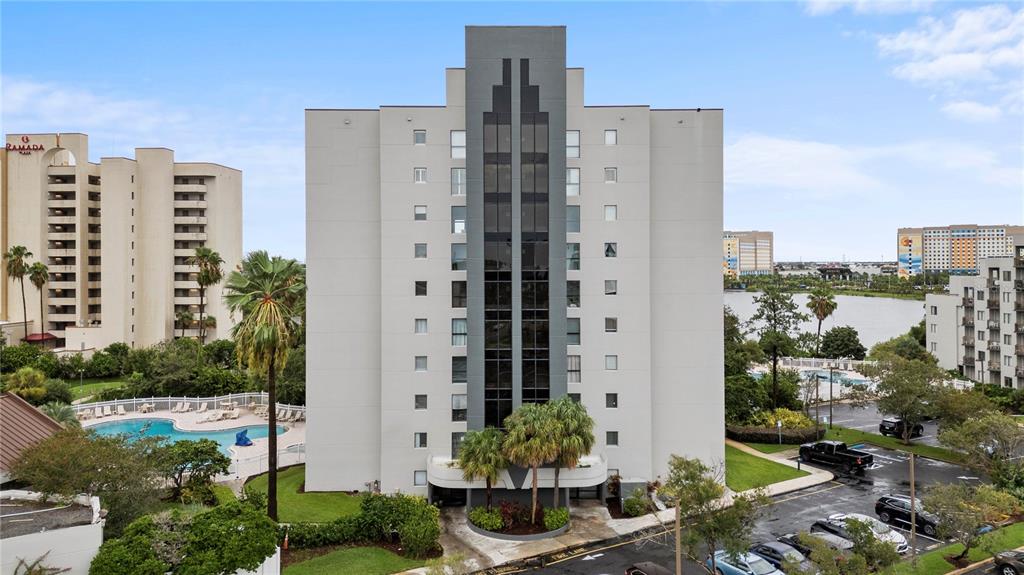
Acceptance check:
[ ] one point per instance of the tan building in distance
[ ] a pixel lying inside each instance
(115, 236)
(747, 253)
(956, 249)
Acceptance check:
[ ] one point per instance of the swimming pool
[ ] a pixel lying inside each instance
(152, 426)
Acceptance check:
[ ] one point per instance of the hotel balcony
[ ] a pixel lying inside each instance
(1018, 305)
(190, 236)
(185, 269)
(1018, 285)
(993, 303)
(200, 188)
(67, 203)
(185, 284)
(63, 301)
(191, 204)
(1018, 262)
(969, 360)
(62, 269)
(968, 340)
(968, 321)
(1020, 372)
(443, 471)
(61, 220)
(994, 346)
(1018, 328)
(62, 284)
(62, 252)
(993, 324)
(62, 236)
(991, 282)
(968, 302)
(61, 187)
(187, 300)
(190, 220)
(1019, 349)
(60, 170)
(993, 365)
(61, 317)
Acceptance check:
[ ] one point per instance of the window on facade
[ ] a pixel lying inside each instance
(459, 369)
(574, 396)
(420, 251)
(611, 175)
(934, 346)
(419, 477)
(611, 400)
(458, 256)
(611, 137)
(420, 213)
(572, 329)
(572, 144)
(458, 219)
(460, 405)
(459, 294)
(611, 213)
(572, 181)
(460, 333)
(572, 256)
(419, 439)
(1006, 339)
(935, 310)
(458, 181)
(421, 325)
(574, 369)
(420, 402)
(611, 249)
(419, 137)
(419, 175)
(572, 219)
(421, 287)
(572, 293)
(611, 438)
(458, 144)
(611, 287)
(611, 324)
(457, 437)
(611, 362)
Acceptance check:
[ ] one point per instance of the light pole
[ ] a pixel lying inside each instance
(80, 373)
(831, 395)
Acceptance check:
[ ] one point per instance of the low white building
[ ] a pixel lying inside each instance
(66, 534)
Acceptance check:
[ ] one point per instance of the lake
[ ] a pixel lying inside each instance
(875, 318)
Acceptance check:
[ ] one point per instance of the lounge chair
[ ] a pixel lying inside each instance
(99, 413)
(286, 417)
(202, 408)
(300, 416)
(178, 408)
(187, 408)
(106, 411)
(233, 414)
(121, 411)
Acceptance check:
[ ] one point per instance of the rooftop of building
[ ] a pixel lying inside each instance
(21, 426)
(24, 516)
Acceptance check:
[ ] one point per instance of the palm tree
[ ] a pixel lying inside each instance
(17, 267)
(209, 263)
(480, 456)
(209, 322)
(530, 441)
(822, 303)
(38, 274)
(574, 437)
(262, 289)
(183, 317)
(62, 413)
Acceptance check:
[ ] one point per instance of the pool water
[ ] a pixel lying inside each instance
(150, 427)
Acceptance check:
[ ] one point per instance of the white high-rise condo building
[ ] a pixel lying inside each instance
(115, 236)
(511, 246)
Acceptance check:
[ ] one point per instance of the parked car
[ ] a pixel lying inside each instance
(837, 454)
(777, 553)
(647, 568)
(836, 525)
(1010, 563)
(896, 509)
(746, 564)
(834, 541)
(896, 427)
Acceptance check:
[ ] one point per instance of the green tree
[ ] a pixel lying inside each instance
(906, 389)
(263, 291)
(740, 352)
(530, 442)
(183, 317)
(574, 434)
(27, 383)
(17, 268)
(229, 538)
(822, 303)
(963, 510)
(992, 442)
(919, 333)
(877, 554)
(744, 396)
(955, 406)
(197, 461)
(62, 413)
(827, 561)
(481, 457)
(842, 342)
(904, 346)
(777, 317)
(119, 352)
(15, 357)
(39, 274)
(221, 353)
(210, 273)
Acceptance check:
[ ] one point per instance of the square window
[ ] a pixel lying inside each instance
(458, 181)
(611, 137)
(572, 219)
(573, 369)
(611, 324)
(459, 295)
(611, 287)
(460, 406)
(421, 363)
(420, 213)
(420, 402)
(458, 144)
(611, 438)
(611, 400)
(611, 175)
(458, 219)
(572, 143)
(420, 251)
(572, 256)
(575, 397)
(419, 439)
(421, 325)
(459, 369)
(572, 329)
(611, 362)
(611, 249)
(457, 437)
(421, 288)
(572, 181)
(419, 137)
(460, 333)
(458, 256)
(419, 175)
(611, 213)
(572, 293)
(419, 477)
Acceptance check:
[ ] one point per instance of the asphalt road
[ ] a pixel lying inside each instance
(868, 418)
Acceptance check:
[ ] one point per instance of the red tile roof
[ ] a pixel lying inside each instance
(21, 426)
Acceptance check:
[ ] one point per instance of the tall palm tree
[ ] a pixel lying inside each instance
(530, 441)
(62, 413)
(574, 436)
(262, 290)
(17, 267)
(210, 273)
(480, 456)
(822, 303)
(183, 317)
(38, 274)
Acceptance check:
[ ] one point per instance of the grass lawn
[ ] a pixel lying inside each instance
(354, 561)
(852, 436)
(932, 563)
(224, 494)
(293, 506)
(92, 387)
(745, 471)
(772, 447)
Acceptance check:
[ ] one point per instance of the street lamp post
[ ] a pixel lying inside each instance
(831, 395)
(80, 374)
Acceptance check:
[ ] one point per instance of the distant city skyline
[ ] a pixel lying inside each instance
(844, 120)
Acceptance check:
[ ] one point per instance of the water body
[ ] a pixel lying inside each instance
(875, 318)
(165, 427)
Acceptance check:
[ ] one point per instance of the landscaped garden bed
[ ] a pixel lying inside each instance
(511, 520)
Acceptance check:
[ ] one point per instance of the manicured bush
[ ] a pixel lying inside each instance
(514, 514)
(420, 533)
(790, 419)
(755, 434)
(556, 518)
(341, 531)
(484, 519)
(637, 504)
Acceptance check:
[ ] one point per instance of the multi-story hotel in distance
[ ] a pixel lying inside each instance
(747, 253)
(978, 328)
(955, 249)
(510, 246)
(115, 236)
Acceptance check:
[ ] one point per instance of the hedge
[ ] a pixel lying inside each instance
(751, 434)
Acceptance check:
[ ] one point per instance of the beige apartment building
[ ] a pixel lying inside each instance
(747, 253)
(115, 236)
(957, 249)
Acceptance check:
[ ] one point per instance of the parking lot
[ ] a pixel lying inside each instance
(867, 419)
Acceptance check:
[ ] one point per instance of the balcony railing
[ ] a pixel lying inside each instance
(994, 346)
(1019, 328)
(968, 321)
(969, 360)
(1019, 349)
(991, 282)
(1020, 372)
(993, 324)
(993, 365)
(993, 303)
(1018, 305)
(968, 340)
(968, 302)
(1018, 262)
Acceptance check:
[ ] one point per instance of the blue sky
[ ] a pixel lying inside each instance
(844, 119)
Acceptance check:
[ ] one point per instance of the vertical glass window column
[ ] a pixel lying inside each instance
(534, 209)
(498, 252)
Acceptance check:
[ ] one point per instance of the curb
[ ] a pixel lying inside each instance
(815, 475)
(974, 566)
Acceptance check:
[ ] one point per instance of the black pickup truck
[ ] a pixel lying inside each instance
(836, 453)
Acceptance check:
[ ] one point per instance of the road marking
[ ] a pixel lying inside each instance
(837, 485)
(615, 545)
(592, 557)
(919, 534)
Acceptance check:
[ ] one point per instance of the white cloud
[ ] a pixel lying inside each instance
(972, 111)
(822, 7)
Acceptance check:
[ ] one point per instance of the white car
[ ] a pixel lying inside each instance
(881, 531)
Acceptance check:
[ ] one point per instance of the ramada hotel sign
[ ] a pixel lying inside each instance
(25, 147)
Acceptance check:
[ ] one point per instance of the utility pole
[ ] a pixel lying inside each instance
(679, 544)
(913, 514)
(831, 396)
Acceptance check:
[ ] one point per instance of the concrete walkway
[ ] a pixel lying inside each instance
(814, 477)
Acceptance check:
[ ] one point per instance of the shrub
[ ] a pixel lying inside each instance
(753, 434)
(556, 518)
(514, 514)
(483, 518)
(28, 383)
(132, 554)
(790, 419)
(419, 534)
(57, 392)
(16, 357)
(637, 504)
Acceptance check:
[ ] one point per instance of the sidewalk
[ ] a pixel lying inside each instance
(815, 475)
